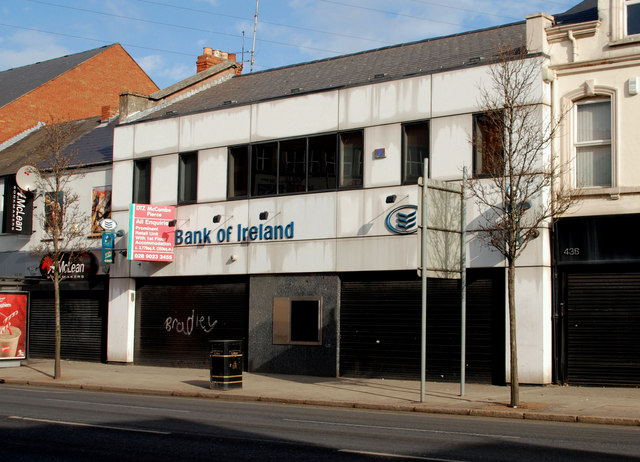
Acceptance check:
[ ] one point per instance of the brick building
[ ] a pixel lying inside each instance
(71, 87)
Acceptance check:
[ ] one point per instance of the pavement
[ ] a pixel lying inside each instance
(593, 405)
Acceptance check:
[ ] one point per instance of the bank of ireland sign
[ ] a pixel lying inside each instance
(403, 219)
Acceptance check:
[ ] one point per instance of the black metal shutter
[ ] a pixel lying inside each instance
(83, 324)
(603, 329)
(173, 316)
(380, 328)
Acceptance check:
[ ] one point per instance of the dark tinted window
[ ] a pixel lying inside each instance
(142, 181)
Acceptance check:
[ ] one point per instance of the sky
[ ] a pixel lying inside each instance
(165, 37)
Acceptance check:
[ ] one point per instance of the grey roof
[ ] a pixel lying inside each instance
(19, 81)
(91, 141)
(389, 63)
(583, 12)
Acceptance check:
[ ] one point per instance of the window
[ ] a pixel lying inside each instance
(297, 165)
(593, 143)
(322, 163)
(415, 148)
(488, 135)
(293, 166)
(264, 169)
(297, 320)
(351, 160)
(142, 181)
(633, 17)
(238, 173)
(188, 178)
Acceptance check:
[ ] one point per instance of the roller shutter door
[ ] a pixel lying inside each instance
(380, 329)
(176, 318)
(83, 323)
(603, 329)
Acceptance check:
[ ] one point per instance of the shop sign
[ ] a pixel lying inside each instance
(151, 237)
(107, 247)
(79, 267)
(403, 219)
(18, 209)
(238, 234)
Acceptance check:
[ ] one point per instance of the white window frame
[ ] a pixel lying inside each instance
(595, 143)
(618, 21)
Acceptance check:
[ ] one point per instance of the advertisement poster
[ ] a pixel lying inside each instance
(13, 326)
(100, 208)
(151, 238)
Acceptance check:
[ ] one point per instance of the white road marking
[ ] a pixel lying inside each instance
(397, 456)
(80, 424)
(484, 435)
(118, 405)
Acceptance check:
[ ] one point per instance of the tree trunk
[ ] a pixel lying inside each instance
(515, 386)
(57, 373)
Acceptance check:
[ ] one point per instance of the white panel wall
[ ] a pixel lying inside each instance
(121, 322)
(122, 190)
(388, 102)
(458, 92)
(212, 129)
(387, 171)
(123, 142)
(157, 137)
(303, 115)
(378, 253)
(533, 320)
(451, 147)
(164, 180)
(212, 175)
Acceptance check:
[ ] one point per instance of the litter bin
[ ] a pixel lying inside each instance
(226, 364)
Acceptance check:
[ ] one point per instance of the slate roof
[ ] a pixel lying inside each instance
(389, 63)
(91, 140)
(19, 81)
(583, 12)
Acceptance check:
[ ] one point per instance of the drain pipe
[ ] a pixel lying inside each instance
(574, 46)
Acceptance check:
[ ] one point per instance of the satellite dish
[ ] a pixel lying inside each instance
(27, 178)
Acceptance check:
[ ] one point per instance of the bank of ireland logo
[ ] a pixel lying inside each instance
(403, 219)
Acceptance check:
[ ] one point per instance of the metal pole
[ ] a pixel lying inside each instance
(463, 282)
(423, 340)
(255, 28)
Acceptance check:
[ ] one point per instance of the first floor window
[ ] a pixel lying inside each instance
(488, 143)
(414, 150)
(238, 173)
(292, 176)
(188, 178)
(297, 320)
(593, 143)
(351, 159)
(322, 163)
(142, 181)
(264, 169)
(633, 17)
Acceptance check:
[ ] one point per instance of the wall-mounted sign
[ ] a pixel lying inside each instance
(238, 233)
(108, 224)
(100, 208)
(18, 209)
(403, 219)
(80, 267)
(13, 325)
(108, 240)
(150, 236)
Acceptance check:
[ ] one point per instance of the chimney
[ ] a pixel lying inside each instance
(106, 114)
(211, 57)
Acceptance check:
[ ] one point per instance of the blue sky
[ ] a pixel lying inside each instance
(166, 36)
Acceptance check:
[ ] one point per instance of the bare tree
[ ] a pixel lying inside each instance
(521, 192)
(64, 227)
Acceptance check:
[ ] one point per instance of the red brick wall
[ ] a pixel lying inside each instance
(78, 93)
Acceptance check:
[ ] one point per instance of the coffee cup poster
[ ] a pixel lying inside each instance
(13, 326)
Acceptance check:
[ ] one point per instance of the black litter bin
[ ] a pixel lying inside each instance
(226, 364)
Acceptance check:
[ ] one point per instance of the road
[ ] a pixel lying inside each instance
(39, 424)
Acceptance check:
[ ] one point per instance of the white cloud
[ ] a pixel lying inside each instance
(28, 47)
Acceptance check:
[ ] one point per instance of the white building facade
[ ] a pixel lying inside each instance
(287, 185)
